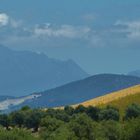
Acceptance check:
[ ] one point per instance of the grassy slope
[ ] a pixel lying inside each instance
(120, 99)
(122, 103)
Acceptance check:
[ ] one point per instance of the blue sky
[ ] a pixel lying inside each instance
(102, 36)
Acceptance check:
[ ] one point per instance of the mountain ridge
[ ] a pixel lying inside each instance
(83, 90)
(78, 91)
(24, 72)
(135, 73)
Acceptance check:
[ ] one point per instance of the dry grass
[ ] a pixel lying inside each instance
(110, 98)
(120, 99)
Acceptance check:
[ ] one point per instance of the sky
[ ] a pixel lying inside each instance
(102, 36)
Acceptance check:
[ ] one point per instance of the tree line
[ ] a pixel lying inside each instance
(80, 123)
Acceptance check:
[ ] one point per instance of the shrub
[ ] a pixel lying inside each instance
(109, 113)
(16, 134)
(132, 111)
(131, 130)
(82, 126)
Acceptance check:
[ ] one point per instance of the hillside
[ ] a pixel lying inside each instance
(25, 72)
(120, 99)
(83, 90)
(135, 73)
(77, 92)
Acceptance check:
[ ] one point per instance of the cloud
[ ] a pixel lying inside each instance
(89, 17)
(119, 34)
(4, 19)
(48, 35)
(64, 35)
(132, 29)
(15, 23)
(66, 31)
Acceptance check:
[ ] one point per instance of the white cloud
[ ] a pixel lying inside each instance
(48, 35)
(4, 19)
(121, 34)
(132, 29)
(67, 31)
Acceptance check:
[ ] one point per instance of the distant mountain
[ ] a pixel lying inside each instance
(135, 73)
(23, 72)
(12, 102)
(3, 98)
(82, 90)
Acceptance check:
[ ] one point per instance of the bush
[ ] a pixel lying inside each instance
(131, 130)
(82, 126)
(5, 121)
(17, 118)
(93, 112)
(132, 111)
(108, 130)
(33, 119)
(109, 113)
(16, 134)
(69, 110)
(49, 126)
(80, 109)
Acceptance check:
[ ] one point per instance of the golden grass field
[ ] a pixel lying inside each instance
(113, 96)
(120, 99)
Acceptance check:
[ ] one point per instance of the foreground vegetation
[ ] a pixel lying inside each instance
(80, 123)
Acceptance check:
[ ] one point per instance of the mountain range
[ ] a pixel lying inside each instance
(135, 73)
(78, 91)
(25, 72)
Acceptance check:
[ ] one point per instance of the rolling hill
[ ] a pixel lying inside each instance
(120, 99)
(24, 72)
(114, 97)
(77, 92)
(83, 90)
(135, 73)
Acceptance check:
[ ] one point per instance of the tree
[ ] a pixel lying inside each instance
(51, 112)
(16, 134)
(69, 110)
(80, 109)
(49, 126)
(25, 108)
(93, 112)
(131, 130)
(17, 118)
(5, 121)
(51, 123)
(108, 130)
(82, 126)
(132, 111)
(109, 113)
(33, 119)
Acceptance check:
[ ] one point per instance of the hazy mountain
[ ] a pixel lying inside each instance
(82, 90)
(23, 72)
(135, 73)
(3, 98)
(11, 102)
